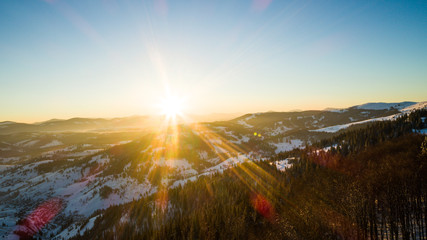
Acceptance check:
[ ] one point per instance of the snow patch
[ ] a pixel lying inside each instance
(288, 146)
(336, 110)
(230, 162)
(52, 144)
(244, 123)
(5, 167)
(9, 159)
(279, 130)
(100, 159)
(282, 165)
(26, 143)
(336, 128)
(385, 106)
(413, 107)
(203, 155)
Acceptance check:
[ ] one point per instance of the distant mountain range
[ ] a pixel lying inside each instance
(141, 123)
(133, 123)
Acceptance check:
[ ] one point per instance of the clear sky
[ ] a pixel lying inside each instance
(106, 58)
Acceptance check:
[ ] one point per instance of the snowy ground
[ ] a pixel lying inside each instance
(383, 106)
(279, 130)
(288, 146)
(25, 193)
(282, 165)
(244, 123)
(52, 144)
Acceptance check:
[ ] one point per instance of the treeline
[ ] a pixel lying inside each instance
(374, 191)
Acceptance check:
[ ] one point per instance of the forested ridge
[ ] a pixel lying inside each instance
(374, 133)
(371, 184)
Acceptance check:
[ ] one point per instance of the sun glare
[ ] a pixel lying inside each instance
(171, 106)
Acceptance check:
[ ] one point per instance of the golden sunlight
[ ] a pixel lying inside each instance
(172, 106)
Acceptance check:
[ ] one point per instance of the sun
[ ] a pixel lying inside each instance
(172, 106)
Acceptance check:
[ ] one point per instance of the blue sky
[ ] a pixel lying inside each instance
(62, 59)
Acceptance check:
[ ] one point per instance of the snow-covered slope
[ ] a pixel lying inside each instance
(403, 107)
(383, 106)
(419, 105)
(336, 128)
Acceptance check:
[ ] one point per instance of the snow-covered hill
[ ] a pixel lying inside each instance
(403, 107)
(385, 106)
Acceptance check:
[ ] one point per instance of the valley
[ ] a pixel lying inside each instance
(84, 172)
